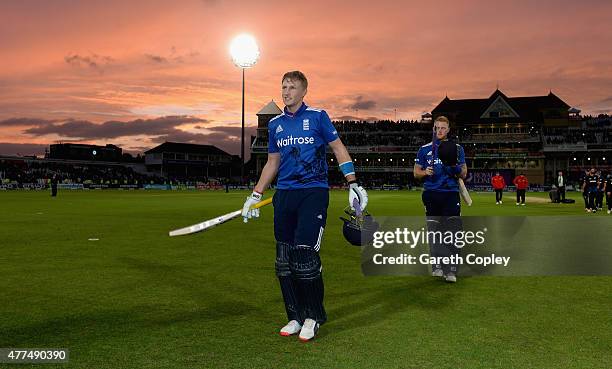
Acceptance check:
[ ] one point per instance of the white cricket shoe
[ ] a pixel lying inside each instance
(309, 330)
(450, 278)
(517, 204)
(500, 202)
(437, 273)
(497, 203)
(608, 211)
(291, 328)
(523, 204)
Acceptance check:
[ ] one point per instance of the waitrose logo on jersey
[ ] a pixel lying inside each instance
(282, 142)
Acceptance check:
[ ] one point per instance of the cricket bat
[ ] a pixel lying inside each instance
(465, 195)
(215, 221)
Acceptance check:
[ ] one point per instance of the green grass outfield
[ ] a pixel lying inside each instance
(139, 299)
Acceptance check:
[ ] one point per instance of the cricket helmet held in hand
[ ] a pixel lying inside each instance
(358, 230)
(447, 153)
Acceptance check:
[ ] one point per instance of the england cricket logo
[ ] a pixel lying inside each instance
(306, 125)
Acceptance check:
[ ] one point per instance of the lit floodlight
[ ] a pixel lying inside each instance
(244, 51)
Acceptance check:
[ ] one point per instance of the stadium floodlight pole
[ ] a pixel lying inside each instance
(245, 53)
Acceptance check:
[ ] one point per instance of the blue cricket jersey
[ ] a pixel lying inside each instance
(591, 181)
(301, 139)
(441, 180)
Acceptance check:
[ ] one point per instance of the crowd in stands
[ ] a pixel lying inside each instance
(500, 137)
(383, 161)
(591, 136)
(383, 133)
(381, 125)
(528, 149)
(404, 139)
(376, 179)
(43, 171)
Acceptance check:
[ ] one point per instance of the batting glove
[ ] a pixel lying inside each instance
(251, 200)
(359, 193)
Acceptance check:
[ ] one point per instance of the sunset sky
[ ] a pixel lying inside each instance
(138, 73)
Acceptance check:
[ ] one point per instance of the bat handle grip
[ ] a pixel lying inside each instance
(262, 203)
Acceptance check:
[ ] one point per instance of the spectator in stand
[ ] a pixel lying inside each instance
(521, 184)
(498, 184)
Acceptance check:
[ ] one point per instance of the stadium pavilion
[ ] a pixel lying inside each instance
(508, 133)
(185, 160)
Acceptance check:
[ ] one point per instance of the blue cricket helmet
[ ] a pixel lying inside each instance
(358, 230)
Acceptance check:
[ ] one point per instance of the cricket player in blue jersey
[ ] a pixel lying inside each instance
(439, 163)
(600, 191)
(296, 152)
(590, 187)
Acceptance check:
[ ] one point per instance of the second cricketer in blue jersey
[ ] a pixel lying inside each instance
(298, 140)
(439, 163)
(442, 179)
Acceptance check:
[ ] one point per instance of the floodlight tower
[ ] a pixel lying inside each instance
(245, 54)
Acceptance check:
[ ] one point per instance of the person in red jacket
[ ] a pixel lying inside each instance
(521, 184)
(498, 184)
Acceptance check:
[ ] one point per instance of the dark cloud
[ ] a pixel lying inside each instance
(93, 61)
(157, 130)
(181, 136)
(346, 117)
(156, 58)
(136, 149)
(352, 117)
(233, 130)
(26, 122)
(225, 138)
(112, 129)
(217, 134)
(384, 104)
(7, 148)
(361, 104)
(174, 56)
